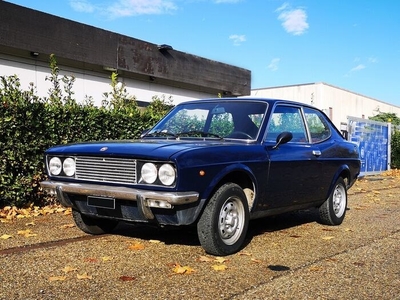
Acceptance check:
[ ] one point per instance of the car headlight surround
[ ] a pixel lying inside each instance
(69, 166)
(55, 166)
(149, 173)
(166, 174)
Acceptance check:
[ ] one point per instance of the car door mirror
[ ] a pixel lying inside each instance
(283, 138)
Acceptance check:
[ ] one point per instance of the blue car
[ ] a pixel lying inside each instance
(213, 163)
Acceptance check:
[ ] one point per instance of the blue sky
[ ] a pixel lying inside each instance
(354, 45)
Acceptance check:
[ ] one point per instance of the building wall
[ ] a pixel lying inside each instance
(90, 83)
(337, 103)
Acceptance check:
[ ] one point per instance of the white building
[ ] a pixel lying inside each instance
(337, 103)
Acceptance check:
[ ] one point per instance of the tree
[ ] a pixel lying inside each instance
(386, 117)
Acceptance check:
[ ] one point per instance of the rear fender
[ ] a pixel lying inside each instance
(343, 172)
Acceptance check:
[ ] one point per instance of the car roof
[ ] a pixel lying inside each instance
(270, 101)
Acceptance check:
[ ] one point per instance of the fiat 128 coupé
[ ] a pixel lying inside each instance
(212, 163)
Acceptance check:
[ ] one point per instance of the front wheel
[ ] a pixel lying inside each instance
(333, 210)
(93, 225)
(223, 225)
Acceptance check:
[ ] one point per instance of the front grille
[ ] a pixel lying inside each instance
(106, 169)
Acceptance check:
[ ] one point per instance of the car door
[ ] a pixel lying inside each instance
(294, 176)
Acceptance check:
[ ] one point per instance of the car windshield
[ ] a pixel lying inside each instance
(223, 119)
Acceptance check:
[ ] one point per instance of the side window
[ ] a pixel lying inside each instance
(287, 118)
(317, 125)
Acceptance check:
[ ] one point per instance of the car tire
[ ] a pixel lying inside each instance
(222, 227)
(93, 225)
(333, 210)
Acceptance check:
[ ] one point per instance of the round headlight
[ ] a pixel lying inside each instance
(69, 166)
(55, 166)
(149, 173)
(166, 174)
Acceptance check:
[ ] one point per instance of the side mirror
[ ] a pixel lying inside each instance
(283, 138)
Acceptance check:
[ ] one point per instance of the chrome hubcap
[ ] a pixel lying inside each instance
(339, 201)
(231, 219)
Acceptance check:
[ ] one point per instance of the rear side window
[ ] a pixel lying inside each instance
(317, 125)
(287, 118)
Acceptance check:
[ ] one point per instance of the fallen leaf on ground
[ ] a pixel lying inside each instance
(106, 258)
(327, 238)
(69, 269)
(57, 278)
(26, 233)
(315, 269)
(30, 224)
(136, 246)
(155, 241)
(178, 269)
(65, 226)
(205, 259)
(6, 237)
(127, 278)
(12, 212)
(220, 259)
(84, 276)
(219, 267)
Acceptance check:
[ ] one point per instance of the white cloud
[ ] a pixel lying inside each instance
(274, 64)
(237, 39)
(282, 7)
(82, 6)
(358, 68)
(126, 8)
(372, 60)
(294, 21)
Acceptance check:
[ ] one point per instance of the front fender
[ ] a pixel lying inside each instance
(224, 173)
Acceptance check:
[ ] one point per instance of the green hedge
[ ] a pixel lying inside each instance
(29, 125)
(395, 151)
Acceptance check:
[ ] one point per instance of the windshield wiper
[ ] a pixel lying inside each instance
(199, 133)
(160, 133)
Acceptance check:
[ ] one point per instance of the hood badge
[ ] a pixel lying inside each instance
(103, 149)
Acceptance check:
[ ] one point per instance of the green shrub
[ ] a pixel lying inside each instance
(395, 151)
(29, 125)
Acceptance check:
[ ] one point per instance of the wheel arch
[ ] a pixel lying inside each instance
(240, 175)
(343, 172)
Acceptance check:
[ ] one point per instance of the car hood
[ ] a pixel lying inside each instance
(139, 148)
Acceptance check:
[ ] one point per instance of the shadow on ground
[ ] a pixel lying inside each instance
(187, 235)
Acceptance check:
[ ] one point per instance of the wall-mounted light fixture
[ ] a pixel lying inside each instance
(164, 47)
(110, 69)
(34, 54)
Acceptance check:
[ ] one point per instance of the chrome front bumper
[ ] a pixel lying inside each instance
(142, 197)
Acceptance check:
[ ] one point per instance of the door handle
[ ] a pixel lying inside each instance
(316, 153)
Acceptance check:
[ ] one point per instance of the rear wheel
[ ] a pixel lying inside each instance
(93, 225)
(333, 210)
(223, 225)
